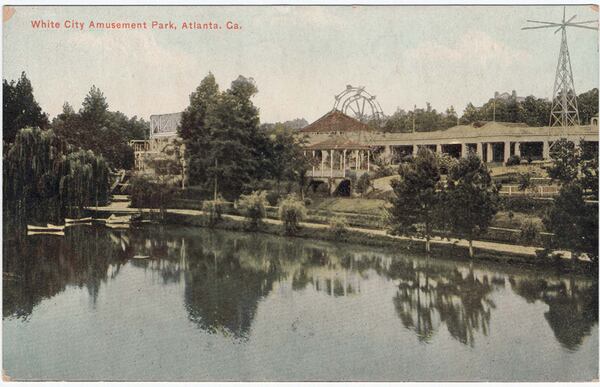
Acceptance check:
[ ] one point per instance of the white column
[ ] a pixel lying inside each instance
(313, 164)
(356, 159)
(463, 150)
(387, 152)
(368, 160)
(518, 149)
(322, 162)
(344, 162)
(506, 150)
(490, 152)
(480, 150)
(546, 150)
(438, 148)
(415, 150)
(331, 163)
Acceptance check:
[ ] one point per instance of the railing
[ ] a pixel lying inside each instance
(336, 173)
(541, 190)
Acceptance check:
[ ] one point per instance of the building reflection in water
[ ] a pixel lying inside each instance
(226, 276)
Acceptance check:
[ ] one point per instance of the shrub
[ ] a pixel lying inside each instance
(214, 210)
(253, 207)
(147, 193)
(525, 204)
(530, 232)
(525, 181)
(307, 201)
(273, 197)
(338, 226)
(445, 162)
(513, 160)
(384, 171)
(363, 183)
(291, 213)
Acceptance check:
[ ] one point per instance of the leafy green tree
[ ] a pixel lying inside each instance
(147, 192)
(425, 120)
(363, 184)
(587, 105)
(85, 181)
(536, 111)
(450, 118)
(589, 167)
(531, 111)
(225, 146)
(100, 130)
(573, 222)
(195, 131)
(238, 144)
(44, 179)
(286, 159)
(94, 108)
(20, 109)
(470, 114)
(416, 196)
(471, 199)
(565, 161)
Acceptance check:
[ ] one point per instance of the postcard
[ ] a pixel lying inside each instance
(398, 193)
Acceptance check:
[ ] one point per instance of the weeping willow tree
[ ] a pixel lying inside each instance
(44, 179)
(85, 181)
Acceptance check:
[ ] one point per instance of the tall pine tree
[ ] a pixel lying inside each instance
(20, 109)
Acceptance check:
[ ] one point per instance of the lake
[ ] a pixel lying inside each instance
(214, 306)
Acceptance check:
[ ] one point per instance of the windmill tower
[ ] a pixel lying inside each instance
(564, 99)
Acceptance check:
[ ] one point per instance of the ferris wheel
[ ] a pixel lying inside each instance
(358, 103)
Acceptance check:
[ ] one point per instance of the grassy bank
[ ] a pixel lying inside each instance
(352, 236)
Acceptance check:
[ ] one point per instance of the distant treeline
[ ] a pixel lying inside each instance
(531, 111)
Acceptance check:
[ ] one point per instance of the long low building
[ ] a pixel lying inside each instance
(492, 141)
(341, 144)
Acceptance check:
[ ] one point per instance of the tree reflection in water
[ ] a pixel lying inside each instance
(39, 267)
(226, 275)
(430, 295)
(573, 305)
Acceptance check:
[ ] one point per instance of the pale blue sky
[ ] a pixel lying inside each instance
(300, 57)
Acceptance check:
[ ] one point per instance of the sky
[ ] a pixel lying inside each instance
(300, 57)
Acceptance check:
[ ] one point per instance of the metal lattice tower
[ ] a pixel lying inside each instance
(564, 99)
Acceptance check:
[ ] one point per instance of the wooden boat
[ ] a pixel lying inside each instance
(79, 220)
(78, 224)
(56, 233)
(113, 219)
(48, 227)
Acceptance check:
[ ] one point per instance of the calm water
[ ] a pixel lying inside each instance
(228, 306)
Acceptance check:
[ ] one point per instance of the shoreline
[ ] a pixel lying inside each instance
(452, 248)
